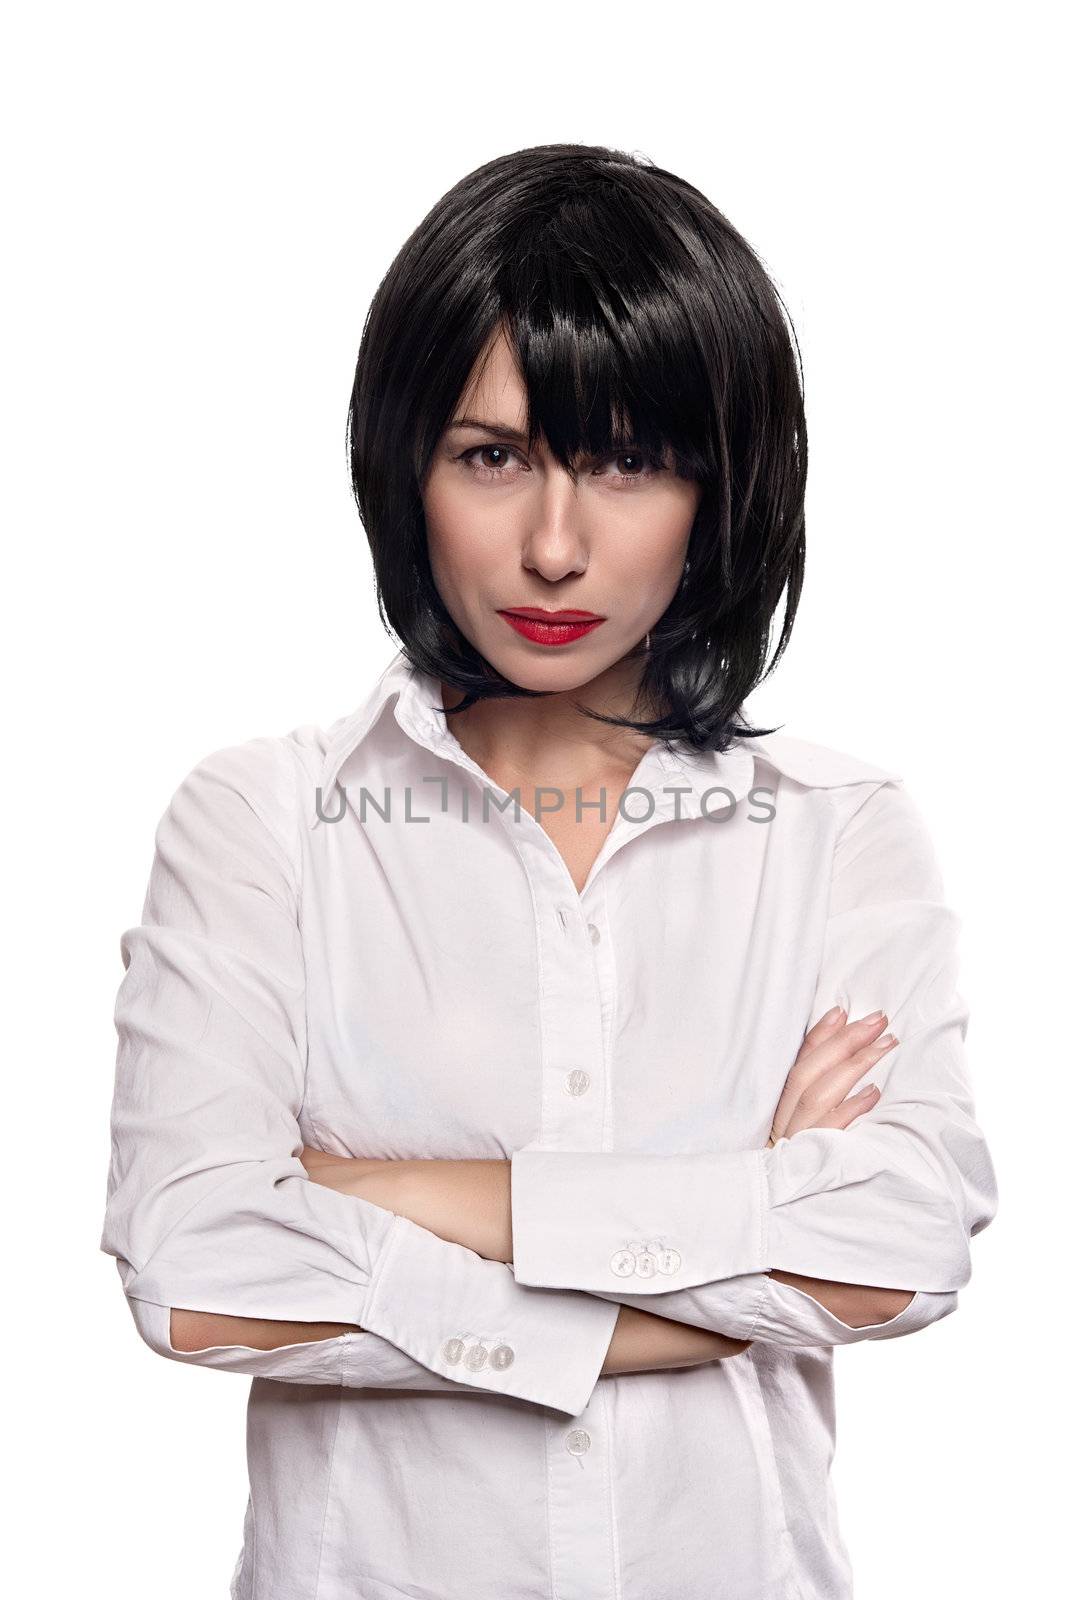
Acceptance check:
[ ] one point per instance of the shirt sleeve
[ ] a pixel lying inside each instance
(761, 1308)
(355, 1359)
(891, 1201)
(208, 1205)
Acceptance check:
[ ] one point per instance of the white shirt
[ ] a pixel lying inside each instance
(419, 985)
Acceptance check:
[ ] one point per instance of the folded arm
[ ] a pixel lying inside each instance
(641, 1341)
(742, 1241)
(465, 1203)
(469, 1202)
(830, 1236)
(209, 1207)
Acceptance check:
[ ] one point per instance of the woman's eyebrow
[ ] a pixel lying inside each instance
(504, 430)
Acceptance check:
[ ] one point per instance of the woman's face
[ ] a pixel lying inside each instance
(508, 531)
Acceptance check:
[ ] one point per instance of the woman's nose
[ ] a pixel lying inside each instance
(556, 542)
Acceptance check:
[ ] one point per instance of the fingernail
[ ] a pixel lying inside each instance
(834, 1014)
(885, 1040)
(867, 1094)
(874, 1016)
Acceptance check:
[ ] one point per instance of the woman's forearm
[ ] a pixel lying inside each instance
(642, 1342)
(198, 1330)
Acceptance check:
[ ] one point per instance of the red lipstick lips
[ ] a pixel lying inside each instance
(551, 627)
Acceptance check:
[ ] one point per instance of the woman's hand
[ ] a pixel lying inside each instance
(831, 1060)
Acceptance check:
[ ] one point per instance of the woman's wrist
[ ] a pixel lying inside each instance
(643, 1342)
(464, 1202)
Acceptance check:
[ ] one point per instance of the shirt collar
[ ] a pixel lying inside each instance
(349, 733)
(418, 710)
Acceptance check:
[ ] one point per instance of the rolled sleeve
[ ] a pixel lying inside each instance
(209, 1207)
(891, 1201)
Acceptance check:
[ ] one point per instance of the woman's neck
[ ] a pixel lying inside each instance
(548, 741)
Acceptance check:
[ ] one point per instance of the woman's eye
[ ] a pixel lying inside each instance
(496, 461)
(493, 462)
(633, 464)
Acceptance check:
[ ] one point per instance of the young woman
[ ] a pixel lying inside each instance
(505, 1079)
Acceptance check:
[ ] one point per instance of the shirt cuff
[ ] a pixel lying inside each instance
(467, 1319)
(652, 1223)
(368, 1362)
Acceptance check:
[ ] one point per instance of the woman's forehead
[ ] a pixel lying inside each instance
(495, 397)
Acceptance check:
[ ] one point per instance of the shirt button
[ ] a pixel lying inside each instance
(562, 917)
(669, 1261)
(577, 1081)
(595, 936)
(644, 1265)
(577, 1442)
(623, 1263)
(476, 1357)
(502, 1357)
(453, 1350)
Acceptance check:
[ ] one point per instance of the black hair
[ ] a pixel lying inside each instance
(635, 309)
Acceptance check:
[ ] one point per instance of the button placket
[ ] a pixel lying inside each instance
(572, 1006)
(570, 1017)
(579, 1506)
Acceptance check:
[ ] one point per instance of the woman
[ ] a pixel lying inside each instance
(503, 1082)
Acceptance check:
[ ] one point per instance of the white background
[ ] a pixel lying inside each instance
(201, 201)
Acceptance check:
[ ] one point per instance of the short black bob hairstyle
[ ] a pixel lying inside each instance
(636, 311)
